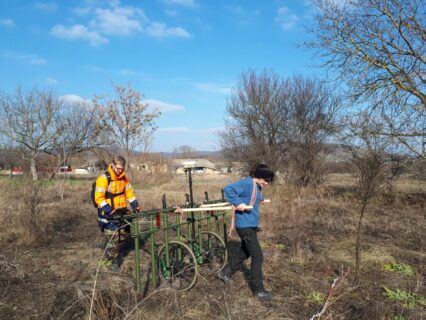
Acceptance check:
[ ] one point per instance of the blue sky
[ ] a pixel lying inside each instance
(185, 56)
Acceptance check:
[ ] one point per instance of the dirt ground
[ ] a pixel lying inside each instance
(55, 271)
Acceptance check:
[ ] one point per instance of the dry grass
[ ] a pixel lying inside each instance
(308, 235)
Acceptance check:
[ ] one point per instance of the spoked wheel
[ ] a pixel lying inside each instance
(181, 271)
(213, 252)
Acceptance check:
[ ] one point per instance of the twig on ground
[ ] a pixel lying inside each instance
(97, 272)
(146, 298)
(337, 282)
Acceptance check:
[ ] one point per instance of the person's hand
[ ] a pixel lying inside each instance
(138, 209)
(231, 232)
(178, 210)
(266, 200)
(241, 207)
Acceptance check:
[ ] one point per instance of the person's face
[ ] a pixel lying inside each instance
(118, 169)
(262, 182)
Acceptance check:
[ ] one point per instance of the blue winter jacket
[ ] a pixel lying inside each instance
(241, 192)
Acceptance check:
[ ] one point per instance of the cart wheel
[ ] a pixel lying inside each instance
(180, 272)
(214, 253)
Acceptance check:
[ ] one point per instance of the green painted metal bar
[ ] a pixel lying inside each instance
(178, 226)
(165, 218)
(208, 217)
(225, 233)
(135, 232)
(199, 236)
(152, 251)
(195, 226)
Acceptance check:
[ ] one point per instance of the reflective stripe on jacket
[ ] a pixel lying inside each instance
(118, 184)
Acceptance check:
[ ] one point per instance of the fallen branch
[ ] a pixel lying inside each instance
(337, 282)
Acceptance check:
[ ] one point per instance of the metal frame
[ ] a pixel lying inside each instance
(195, 220)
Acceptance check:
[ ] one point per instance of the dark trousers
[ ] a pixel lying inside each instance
(250, 247)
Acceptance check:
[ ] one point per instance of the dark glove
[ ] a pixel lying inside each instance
(107, 209)
(135, 206)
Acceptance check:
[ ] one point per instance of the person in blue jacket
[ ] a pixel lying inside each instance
(243, 193)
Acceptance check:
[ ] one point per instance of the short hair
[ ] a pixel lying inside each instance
(119, 160)
(256, 167)
(262, 171)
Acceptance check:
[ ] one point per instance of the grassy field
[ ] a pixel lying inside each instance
(49, 260)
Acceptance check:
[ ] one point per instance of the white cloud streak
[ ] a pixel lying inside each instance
(161, 30)
(49, 7)
(73, 98)
(183, 130)
(118, 21)
(164, 106)
(79, 31)
(286, 18)
(184, 3)
(51, 81)
(127, 72)
(211, 87)
(7, 22)
(23, 57)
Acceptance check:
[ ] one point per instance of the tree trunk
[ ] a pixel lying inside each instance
(33, 168)
(358, 242)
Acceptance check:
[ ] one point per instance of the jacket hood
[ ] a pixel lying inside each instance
(113, 175)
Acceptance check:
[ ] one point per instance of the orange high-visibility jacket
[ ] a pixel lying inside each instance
(118, 184)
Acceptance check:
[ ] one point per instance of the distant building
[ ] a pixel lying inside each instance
(17, 171)
(199, 166)
(65, 169)
(232, 167)
(151, 167)
(82, 171)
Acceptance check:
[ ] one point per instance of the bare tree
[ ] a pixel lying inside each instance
(185, 151)
(368, 155)
(284, 123)
(31, 120)
(83, 130)
(129, 121)
(312, 108)
(378, 48)
(254, 117)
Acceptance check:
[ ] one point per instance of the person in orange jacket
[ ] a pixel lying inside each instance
(112, 193)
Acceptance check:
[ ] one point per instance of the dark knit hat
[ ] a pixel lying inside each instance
(265, 174)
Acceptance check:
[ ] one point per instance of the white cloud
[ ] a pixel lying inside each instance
(118, 21)
(212, 88)
(127, 72)
(286, 18)
(73, 98)
(82, 11)
(23, 57)
(7, 22)
(209, 131)
(164, 106)
(171, 12)
(338, 3)
(242, 16)
(95, 68)
(185, 3)
(107, 18)
(160, 30)
(46, 6)
(174, 130)
(51, 81)
(79, 31)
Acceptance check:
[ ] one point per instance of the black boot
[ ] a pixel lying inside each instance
(225, 275)
(263, 295)
(116, 263)
(103, 244)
